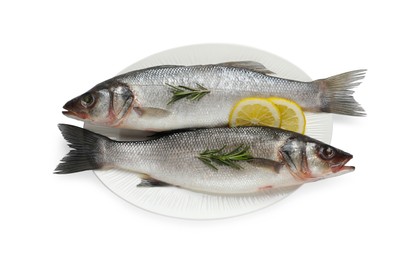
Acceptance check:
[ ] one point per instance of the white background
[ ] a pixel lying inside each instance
(51, 52)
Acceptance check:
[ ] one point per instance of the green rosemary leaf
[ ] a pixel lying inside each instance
(228, 158)
(180, 92)
(208, 162)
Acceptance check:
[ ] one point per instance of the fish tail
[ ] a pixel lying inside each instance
(86, 153)
(337, 93)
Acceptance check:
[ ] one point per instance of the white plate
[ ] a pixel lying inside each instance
(176, 202)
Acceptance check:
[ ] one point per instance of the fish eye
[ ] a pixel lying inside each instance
(87, 100)
(327, 153)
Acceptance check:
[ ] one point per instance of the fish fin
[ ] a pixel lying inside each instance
(337, 93)
(149, 68)
(138, 110)
(86, 151)
(147, 181)
(249, 65)
(266, 163)
(152, 112)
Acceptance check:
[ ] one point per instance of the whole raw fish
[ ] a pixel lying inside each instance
(174, 97)
(211, 160)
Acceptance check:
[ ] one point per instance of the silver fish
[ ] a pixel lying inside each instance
(211, 160)
(174, 97)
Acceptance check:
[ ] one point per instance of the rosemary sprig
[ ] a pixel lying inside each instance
(180, 92)
(231, 159)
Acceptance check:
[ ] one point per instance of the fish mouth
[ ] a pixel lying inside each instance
(75, 115)
(68, 113)
(70, 110)
(341, 168)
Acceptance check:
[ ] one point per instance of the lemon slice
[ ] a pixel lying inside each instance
(254, 112)
(293, 118)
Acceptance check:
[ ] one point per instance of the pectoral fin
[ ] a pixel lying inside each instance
(266, 163)
(152, 112)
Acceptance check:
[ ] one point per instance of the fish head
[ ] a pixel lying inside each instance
(311, 160)
(107, 104)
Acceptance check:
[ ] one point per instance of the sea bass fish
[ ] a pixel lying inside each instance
(239, 160)
(174, 97)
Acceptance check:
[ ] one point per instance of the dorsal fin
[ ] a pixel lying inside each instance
(249, 65)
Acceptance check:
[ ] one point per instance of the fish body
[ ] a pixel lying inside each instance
(260, 158)
(174, 97)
